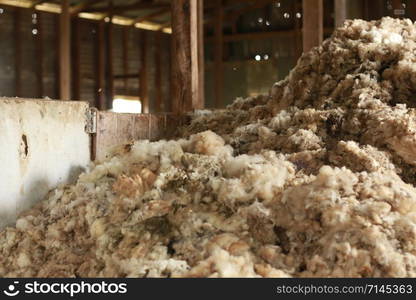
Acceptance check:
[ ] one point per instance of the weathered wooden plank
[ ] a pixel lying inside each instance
(115, 129)
(110, 67)
(312, 23)
(76, 59)
(201, 56)
(126, 58)
(297, 32)
(172, 123)
(340, 12)
(143, 88)
(158, 71)
(181, 92)
(218, 56)
(100, 67)
(141, 129)
(39, 55)
(17, 51)
(195, 44)
(65, 51)
(157, 126)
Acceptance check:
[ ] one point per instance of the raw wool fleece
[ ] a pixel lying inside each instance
(315, 179)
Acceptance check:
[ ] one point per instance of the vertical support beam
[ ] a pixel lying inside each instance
(100, 67)
(76, 59)
(195, 59)
(373, 9)
(185, 81)
(340, 12)
(298, 30)
(39, 54)
(65, 51)
(411, 10)
(110, 70)
(168, 100)
(366, 13)
(219, 53)
(143, 90)
(313, 11)
(397, 10)
(201, 55)
(17, 51)
(181, 92)
(126, 57)
(158, 71)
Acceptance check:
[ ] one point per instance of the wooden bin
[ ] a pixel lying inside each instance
(44, 143)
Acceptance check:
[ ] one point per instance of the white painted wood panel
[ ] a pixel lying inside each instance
(42, 144)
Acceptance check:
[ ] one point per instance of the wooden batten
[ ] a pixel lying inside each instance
(313, 12)
(219, 53)
(186, 56)
(143, 88)
(65, 52)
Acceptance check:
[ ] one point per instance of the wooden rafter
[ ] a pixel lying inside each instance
(153, 15)
(37, 2)
(83, 6)
(135, 6)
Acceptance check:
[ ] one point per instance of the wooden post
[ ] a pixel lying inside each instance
(218, 56)
(181, 70)
(201, 55)
(39, 54)
(312, 23)
(194, 44)
(126, 57)
(398, 10)
(185, 71)
(17, 51)
(65, 51)
(168, 98)
(110, 70)
(100, 67)
(143, 90)
(411, 10)
(158, 71)
(340, 7)
(375, 9)
(76, 58)
(297, 30)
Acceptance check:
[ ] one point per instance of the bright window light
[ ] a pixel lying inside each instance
(126, 104)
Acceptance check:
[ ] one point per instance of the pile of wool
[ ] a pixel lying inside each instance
(315, 179)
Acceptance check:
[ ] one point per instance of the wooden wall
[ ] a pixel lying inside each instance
(29, 62)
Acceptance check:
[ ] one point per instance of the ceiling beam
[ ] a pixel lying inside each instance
(83, 6)
(153, 15)
(135, 6)
(37, 2)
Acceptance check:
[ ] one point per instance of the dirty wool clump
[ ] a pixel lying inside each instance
(315, 179)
